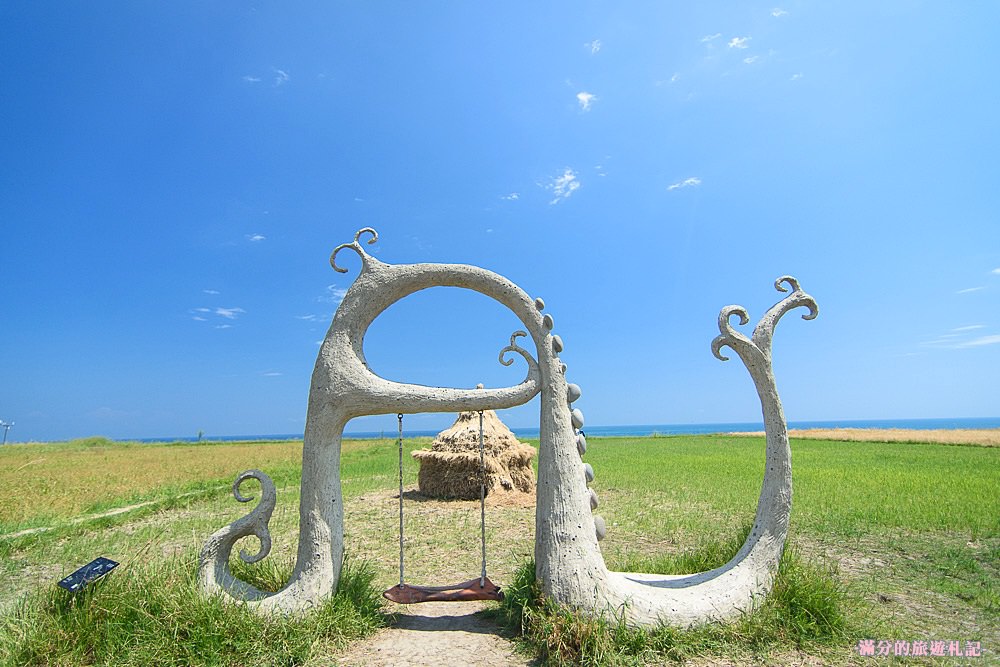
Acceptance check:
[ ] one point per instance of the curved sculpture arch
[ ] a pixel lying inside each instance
(568, 560)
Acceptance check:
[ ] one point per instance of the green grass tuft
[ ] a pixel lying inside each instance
(154, 614)
(807, 609)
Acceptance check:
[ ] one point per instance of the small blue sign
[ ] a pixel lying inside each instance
(95, 569)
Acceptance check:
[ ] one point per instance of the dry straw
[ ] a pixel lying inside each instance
(450, 468)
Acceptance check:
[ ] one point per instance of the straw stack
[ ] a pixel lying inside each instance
(450, 468)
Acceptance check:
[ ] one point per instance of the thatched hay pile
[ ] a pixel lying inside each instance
(450, 468)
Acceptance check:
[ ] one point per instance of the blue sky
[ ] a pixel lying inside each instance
(175, 175)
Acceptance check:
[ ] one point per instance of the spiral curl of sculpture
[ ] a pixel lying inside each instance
(569, 565)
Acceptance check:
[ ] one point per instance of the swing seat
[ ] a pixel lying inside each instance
(463, 592)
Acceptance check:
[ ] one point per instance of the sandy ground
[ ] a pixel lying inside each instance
(980, 437)
(433, 634)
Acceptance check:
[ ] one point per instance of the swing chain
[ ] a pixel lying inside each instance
(399, 417)
(482, 498)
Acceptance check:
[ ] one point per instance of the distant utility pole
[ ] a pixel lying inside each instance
(6, 427)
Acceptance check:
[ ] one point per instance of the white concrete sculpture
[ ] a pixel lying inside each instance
(568, 560)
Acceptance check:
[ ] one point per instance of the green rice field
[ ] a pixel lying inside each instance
(909, 532)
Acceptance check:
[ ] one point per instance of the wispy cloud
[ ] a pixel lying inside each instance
(563, 186)
(982, 340)
(280, 76)
(333, 295)
(255, 237)
(198, 318)
(960, 338)
(778, 12)
(251, 79)
(210, 291)
(229, 313)
(710, 38)
(996, 272)
(223, 326)
(585, 99)
(751, 60)
(795, 77)
(594, 46)
(686, 183)
(970, 289)
(675, 78)
(739, 42)
(271, 374)
(307, 318)
(513, 196)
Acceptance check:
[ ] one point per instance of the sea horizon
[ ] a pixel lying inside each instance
(635, 430)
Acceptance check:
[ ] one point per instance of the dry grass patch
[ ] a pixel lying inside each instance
(441, 537)
(63, 480)
(984, 437)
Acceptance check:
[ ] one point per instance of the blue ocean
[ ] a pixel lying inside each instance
(655, 429)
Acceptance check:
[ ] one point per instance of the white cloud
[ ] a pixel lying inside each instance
(751, 60)
(106, 412)
(251, 79)
(675, 78)
(271, 374)
(995, 272)
(280, 76)
(585, 99)
(333, 294)
(223, 326)
(594, 46)
(210, 291)
(739, 42)
(969, 289)
(255, 237)
(687, 182)
(971, 327)
(709, 38)
(982, 340)
(778, 12)
(513, 196)
(563, 186)
(202, 310)
(196, 318)
(795, 77)
(307, 318)
(229, 313)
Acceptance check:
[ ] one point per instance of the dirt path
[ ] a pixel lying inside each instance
(433, 634)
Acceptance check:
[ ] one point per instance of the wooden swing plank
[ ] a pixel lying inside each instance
(463, 592)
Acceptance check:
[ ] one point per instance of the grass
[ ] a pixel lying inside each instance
(983, 437)
(889, 540)
(809, 609)
(153, 615)
(844, 488)
(92, 475)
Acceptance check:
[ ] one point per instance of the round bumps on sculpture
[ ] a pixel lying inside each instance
(576, 416)
(600, 527)
(581, 443)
